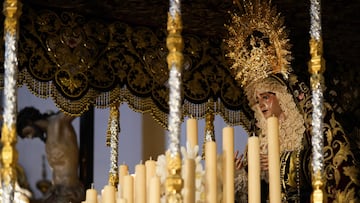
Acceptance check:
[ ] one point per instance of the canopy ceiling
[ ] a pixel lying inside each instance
(83, 53)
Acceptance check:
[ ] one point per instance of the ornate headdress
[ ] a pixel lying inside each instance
(258, 43)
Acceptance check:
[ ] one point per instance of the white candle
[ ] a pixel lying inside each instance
(154, 190)
(108, 194)
(123, 171)
(228, 165)
(91, 195)
(210, 172)
(140, 183)
(192, 132)
(274, 159)
(254, 189)
(129, 188)
(189, 181)
(150, 167)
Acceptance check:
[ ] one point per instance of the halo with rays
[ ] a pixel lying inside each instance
(258, 43)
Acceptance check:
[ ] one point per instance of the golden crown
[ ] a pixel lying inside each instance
(258, 43)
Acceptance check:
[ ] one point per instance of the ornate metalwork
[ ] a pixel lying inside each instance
(316, 69)
(174, 182)
(258, 44)
(175, 57)
(338, 152)
(174, 43)
(113, 138)
(12, 11)
(315, 19)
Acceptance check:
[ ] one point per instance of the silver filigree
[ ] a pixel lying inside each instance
(315, 19)
(209, 136)
(10, 105)
(175, 110)
(10, 66)
(7, 193)
(317, 94)
(114, 141)
(174, 7)
(317, 135)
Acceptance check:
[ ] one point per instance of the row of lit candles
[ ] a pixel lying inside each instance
(131, 188)
(144, 185)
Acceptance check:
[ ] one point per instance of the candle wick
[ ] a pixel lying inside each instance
(92, 185)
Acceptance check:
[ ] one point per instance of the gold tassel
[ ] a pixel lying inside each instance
(209, 134)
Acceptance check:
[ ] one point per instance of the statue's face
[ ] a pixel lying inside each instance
(268, 104)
